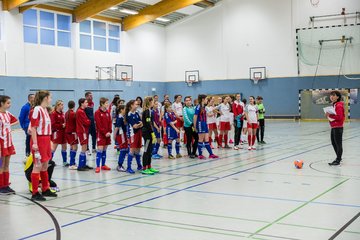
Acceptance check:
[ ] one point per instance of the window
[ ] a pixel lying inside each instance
(47, 28)
(99, 36)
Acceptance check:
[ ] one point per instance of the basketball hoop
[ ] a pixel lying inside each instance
(256, 80)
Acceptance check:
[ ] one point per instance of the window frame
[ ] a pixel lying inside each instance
(107, 36)
(55, 29)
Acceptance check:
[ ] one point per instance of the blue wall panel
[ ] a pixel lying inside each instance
(19, 87)
(280, 94)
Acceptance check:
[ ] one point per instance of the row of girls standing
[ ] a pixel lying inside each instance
(40, 144)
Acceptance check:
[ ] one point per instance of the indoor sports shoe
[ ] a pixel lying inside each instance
(106, 168)
(120, 169)
(10, 190)
(253, 148)
(129, 170)
(191, 156)
(159, 155)
(263, 142)
(38, 197)
(82, 169)
(73, 167)
(3, 191)
(139, 167)
(213, 156)
(155, 156)
(147, 172)
(231, 141)
(178, 155)
(153, 170)
(66, 164)
(97, 170)
(171, 157)
(227, 146)
(249, 148)
(88, 167)
(201, 157)
(236, 148)
(334, 163)
(49, 193)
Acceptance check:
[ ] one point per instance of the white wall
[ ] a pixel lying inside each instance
(223, 42)
(144, 48)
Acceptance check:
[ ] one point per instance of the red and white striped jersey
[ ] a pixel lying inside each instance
(41, 119)
(6, 119)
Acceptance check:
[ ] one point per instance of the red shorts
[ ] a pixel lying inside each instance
(58, 137)
(212, 126)
(135, 141)
(179, 123)
(224, 126)
(6, 151)
(83, 138)
(44, 144)
(252, 125)
(102, 140)
(123, 143)
(72, 138)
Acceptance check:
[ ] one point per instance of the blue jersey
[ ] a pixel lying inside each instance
(132, 119)
(119, 123)
(170, 131)
(201, 124)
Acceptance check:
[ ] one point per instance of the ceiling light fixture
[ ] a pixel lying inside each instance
(128, 11)
(161, 19)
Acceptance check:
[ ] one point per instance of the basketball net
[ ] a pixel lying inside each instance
(256, 80)
(189, 83)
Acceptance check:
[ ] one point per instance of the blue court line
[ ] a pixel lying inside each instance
(184, 189)
(189, 175)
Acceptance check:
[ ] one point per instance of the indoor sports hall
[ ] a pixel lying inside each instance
(179, 119)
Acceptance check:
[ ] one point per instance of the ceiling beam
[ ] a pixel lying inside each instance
(24, 8)
(11, 4)
(92, 7)
(150, 13)
(208, 4)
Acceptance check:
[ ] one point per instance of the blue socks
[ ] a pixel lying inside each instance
(64, 156)
(98, 157)
(208, 148)
(177, 147)
(72, 157)
(200, 146)
(169, 147)
(103, 159)
(156, 148)
(138, 160)
(122, 156)
(82, 160)
(129, 161)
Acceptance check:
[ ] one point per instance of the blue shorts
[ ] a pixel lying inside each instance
(157, 134)
(171, 133)
(202, 127)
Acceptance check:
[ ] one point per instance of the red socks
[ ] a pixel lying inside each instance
(220, 140)
(226, 139)
(6, 179)
(44, 180)
(1, 180)
(253, 139)
(35, 182)
(249, 139)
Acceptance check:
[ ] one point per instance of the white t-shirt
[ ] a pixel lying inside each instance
(159, 106)
(178, 108)
(225, 110)
(251, 110)
(210, 115)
